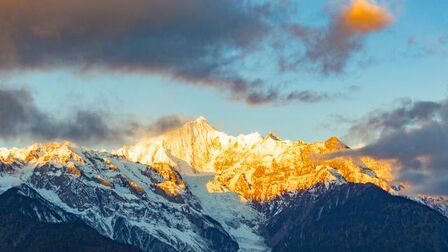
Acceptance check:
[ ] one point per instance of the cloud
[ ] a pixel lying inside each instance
(194, 41)
(415, 134)
(434, 46)
(365, 16)
(331, 47)
(22, 119)
(190, 40)
(163, 124)
(182, 36)
(306, 96)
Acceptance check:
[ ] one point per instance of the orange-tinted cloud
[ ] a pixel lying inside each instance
(365, 16)
(332, 46)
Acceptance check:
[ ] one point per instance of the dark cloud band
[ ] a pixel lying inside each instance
(194, 41)
(22, 119)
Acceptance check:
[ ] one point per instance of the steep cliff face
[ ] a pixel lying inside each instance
(191, 148)
(148, 207)
(255, 167)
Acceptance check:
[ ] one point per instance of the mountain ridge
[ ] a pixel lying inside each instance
(198, 189)
(197, 147)
(125, 201)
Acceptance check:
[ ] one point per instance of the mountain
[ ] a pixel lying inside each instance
(147, 207)
(280, 179)
(355, 217)
(438, 203)
(30, 223)
(198, 189)
(192, 148)
(253, 166)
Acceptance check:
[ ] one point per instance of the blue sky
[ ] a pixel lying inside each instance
(388, 67)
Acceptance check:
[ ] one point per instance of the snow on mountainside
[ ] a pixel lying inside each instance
(30, 223)
(148, 207)
(197, 189)
(240, 219)
(255, 167)
(191, 148)
(438, 203)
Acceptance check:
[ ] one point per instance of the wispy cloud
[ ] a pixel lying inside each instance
(306, 96)
(418, 47)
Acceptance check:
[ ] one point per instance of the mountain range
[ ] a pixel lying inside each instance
(198, 189)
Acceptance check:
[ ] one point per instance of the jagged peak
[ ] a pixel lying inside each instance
(40, 146)
(43, 153)
(201, 123)
(271, 135)
(57, 145)
(334, 143)
(53, 147)
(201, 119)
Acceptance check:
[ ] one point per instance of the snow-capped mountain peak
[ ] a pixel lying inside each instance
(253, 166)
(271, 135)
(194, 188)
(57, 152)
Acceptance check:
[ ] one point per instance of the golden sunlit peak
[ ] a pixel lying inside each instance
(334, 144)
(255, 167)
(201, 119)
(57, 152)
(366, 16)
(200, 122)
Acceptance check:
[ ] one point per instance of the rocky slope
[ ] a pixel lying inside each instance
(30, 223)
(148, 207)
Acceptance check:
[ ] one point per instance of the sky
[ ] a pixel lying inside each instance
(104, 73)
